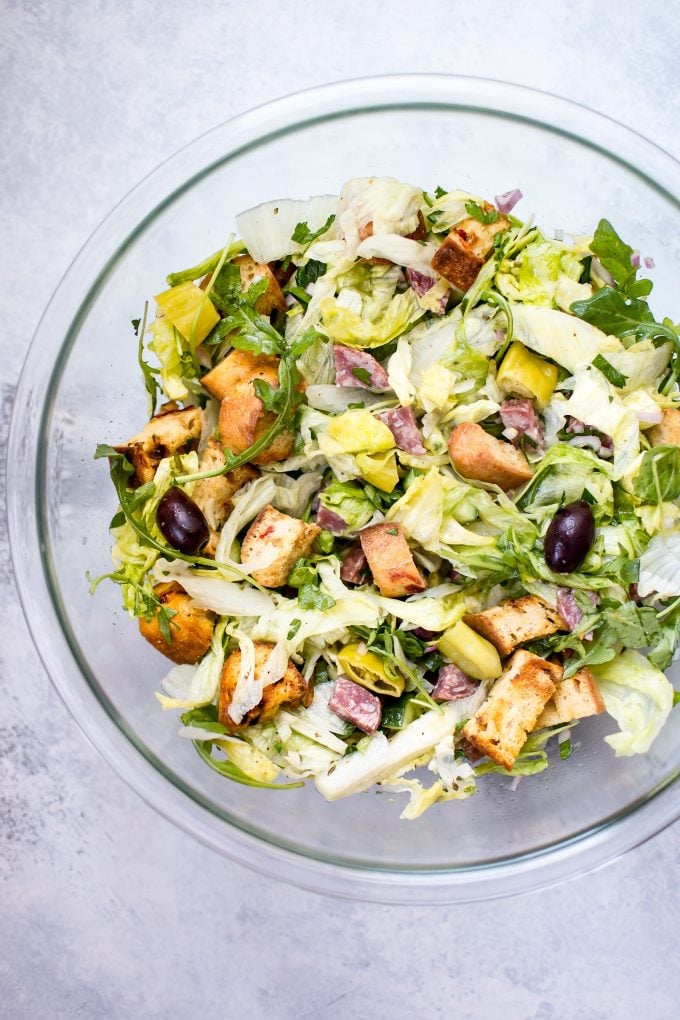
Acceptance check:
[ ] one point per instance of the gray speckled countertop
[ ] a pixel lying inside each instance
(106, 910)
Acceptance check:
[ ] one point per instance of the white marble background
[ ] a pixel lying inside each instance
(105, 909)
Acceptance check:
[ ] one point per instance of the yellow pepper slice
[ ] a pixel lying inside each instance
(368, 669)
(379, 469)
(190, 311)
(525, 374)
(359, 430)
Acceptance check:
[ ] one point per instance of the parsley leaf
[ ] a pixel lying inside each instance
(303, 235)
(310, 596)
(487, 216)
(310, 273)
(439, 192)
(636, 626)
(362, 374)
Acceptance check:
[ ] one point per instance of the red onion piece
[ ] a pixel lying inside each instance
(635, 260)
(602, 273)
(506, 202)
(649, 263)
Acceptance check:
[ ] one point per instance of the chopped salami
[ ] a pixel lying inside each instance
(330, 521)
(354, 566)
(402, 424)
(419, 283)
(355, 705)
(452, 684)
(358, 368)
(520, 414)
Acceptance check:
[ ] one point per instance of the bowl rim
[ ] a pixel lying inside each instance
(539, 868)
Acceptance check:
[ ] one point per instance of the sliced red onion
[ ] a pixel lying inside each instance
(575, 426)
(568, 608)
(635, 260)
(649, 263)
(419, 283)
(510, 433)
(423, 634)
(602, 273)
(506, 202)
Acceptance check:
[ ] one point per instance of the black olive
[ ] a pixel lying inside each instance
(181, 522)
(569, 537)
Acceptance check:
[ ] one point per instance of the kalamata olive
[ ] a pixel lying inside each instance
(181, 522)
(569, 537)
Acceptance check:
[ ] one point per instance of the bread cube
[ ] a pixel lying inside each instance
(500, 727)
(477, 455)
(191, 628)
(574, 698)
(390, 560)
(512, 623)
(168, 432)
(289, 537)
(288, 692)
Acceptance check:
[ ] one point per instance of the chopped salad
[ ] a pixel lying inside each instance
(408, 496)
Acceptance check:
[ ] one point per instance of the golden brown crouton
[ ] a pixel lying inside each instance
(667, 432)
(191, 628)
(288, 692)
(477, 455)
(168, 432)
(213, 495)
(500, 727)
(390, 560)
(512, 623)
(287, 536)
(464, 251)
(243, 418)
(574, 698)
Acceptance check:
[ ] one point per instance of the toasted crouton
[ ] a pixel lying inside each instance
(243, 418)
(513, 623)
(390, 560)
(168, 432)
(477, 455)
(213, 495)
(287, 536)
(574, 698)
(288, 692)
(500, 727)
(464, 251)
(667, 432)
(191, 628)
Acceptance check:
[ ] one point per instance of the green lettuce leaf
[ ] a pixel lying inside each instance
(638, 696)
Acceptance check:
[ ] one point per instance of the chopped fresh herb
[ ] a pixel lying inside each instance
(610, 373)
(617, 315)
(480, 214)
(309, 273)
(616, 257)
(293, 629)
(303, 235)
(300, 294)
(362, 374)
(310, 596)
(439, 192)
(565, 749)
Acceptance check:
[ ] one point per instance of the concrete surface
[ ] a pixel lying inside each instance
(106, 910)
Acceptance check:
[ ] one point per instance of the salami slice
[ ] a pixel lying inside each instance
(452, 684)
(358, 368)
(402, 424)
(355, 704)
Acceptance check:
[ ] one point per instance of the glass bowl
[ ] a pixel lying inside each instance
(81, 385)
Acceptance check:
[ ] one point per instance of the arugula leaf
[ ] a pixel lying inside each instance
(310, 273)
(600, 649)
(303, 235)
(610, 373)
(145, 602)
(619, 316)
(310, 596)
(658, 479)
(475, 210)
(226, 288)
(272, 398)
(615, 255)
(636, 626)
